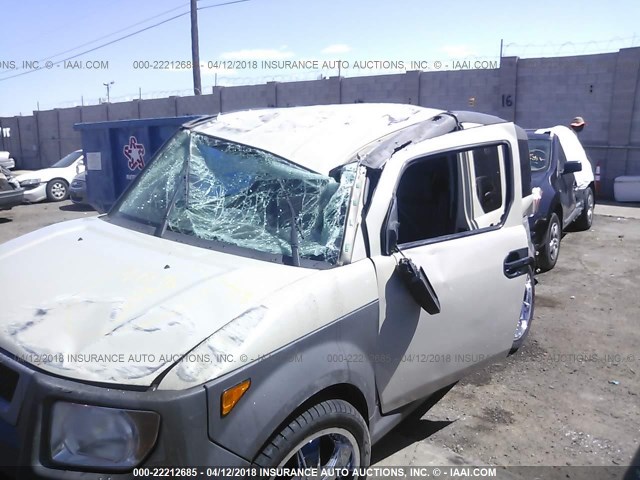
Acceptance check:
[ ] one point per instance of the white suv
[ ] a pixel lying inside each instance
(278, 288)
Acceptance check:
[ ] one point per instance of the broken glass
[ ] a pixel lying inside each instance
(240, 195)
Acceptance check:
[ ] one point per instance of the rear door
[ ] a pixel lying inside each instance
(566, 185)
(457, 199)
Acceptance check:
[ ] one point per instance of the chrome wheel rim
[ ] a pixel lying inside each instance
(58, 190)
(526, 309)
(589, 208)
(334, 449)
(554, 240)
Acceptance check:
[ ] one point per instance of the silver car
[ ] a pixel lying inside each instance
(277, 289)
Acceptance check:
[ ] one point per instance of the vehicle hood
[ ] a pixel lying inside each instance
(93, 301)
(47, 174)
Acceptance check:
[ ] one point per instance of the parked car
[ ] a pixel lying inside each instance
(561, 171)
(52, 183)
(6, 161)
(10, 192)
(276, 288)
(78, 189)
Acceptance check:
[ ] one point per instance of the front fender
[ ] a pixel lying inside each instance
(281, 382)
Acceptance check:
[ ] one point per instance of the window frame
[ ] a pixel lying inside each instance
(467, 192)
(475, 199)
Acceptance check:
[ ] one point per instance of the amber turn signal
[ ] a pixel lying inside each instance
(232, 395)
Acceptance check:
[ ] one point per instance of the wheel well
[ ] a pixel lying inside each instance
(342, 391)
(558, 211)
(58, 178)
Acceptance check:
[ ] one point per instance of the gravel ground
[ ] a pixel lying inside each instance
(25, 218)
(571, 396)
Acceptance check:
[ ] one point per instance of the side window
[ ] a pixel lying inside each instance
(451, 193)
(488, 185)
(428, 199)
(486, 165)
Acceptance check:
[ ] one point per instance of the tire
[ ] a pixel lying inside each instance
(526, 313)
(323, 432)
(585, 220)
(57, 190)
(550, 251)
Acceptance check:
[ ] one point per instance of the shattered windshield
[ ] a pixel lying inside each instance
(221, 191)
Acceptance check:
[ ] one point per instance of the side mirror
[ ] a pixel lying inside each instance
(572, 167)
(419, 286)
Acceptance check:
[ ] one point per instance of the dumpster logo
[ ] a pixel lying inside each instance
(134, 152)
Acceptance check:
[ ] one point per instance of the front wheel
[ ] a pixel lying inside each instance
(57, 190)
(526, 312)
(551, 249)
(330, 435)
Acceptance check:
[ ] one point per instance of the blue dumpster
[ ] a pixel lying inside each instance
(115, 152)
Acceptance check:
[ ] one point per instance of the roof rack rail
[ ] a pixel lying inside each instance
(199, 121)
(465, 116)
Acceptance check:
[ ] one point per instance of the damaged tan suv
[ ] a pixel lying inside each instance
(277, 288)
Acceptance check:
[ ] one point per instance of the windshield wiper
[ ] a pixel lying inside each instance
(293, 239)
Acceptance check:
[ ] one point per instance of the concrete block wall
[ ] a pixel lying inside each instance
(158, 107)
(199, 105)
(633, 161)
(48, 129)
(551, 91)
(247, 96)
(123, 110)
(94, 113)
(604, 89)
(461, 90)
(29, 157)
(395, 88)
(313, 92)
(70, 139)
(623, 103)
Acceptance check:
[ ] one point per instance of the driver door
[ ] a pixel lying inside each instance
(452, 204)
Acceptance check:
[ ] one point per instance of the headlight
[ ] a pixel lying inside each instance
(32, 182)
(99, 437)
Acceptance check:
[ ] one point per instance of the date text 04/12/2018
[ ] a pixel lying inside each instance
(391, 65)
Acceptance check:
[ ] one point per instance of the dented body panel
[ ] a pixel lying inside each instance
(141, 304)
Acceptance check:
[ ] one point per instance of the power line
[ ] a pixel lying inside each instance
(106, 36)
(123, 38)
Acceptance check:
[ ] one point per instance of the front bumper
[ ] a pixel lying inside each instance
(25, 406)
(78, 194)
(36, 194)
(11, 198)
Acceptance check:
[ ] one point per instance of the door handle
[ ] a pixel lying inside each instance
(517, 263)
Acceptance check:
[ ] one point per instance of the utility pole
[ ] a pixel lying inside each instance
(195, 49)
(108, 85)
